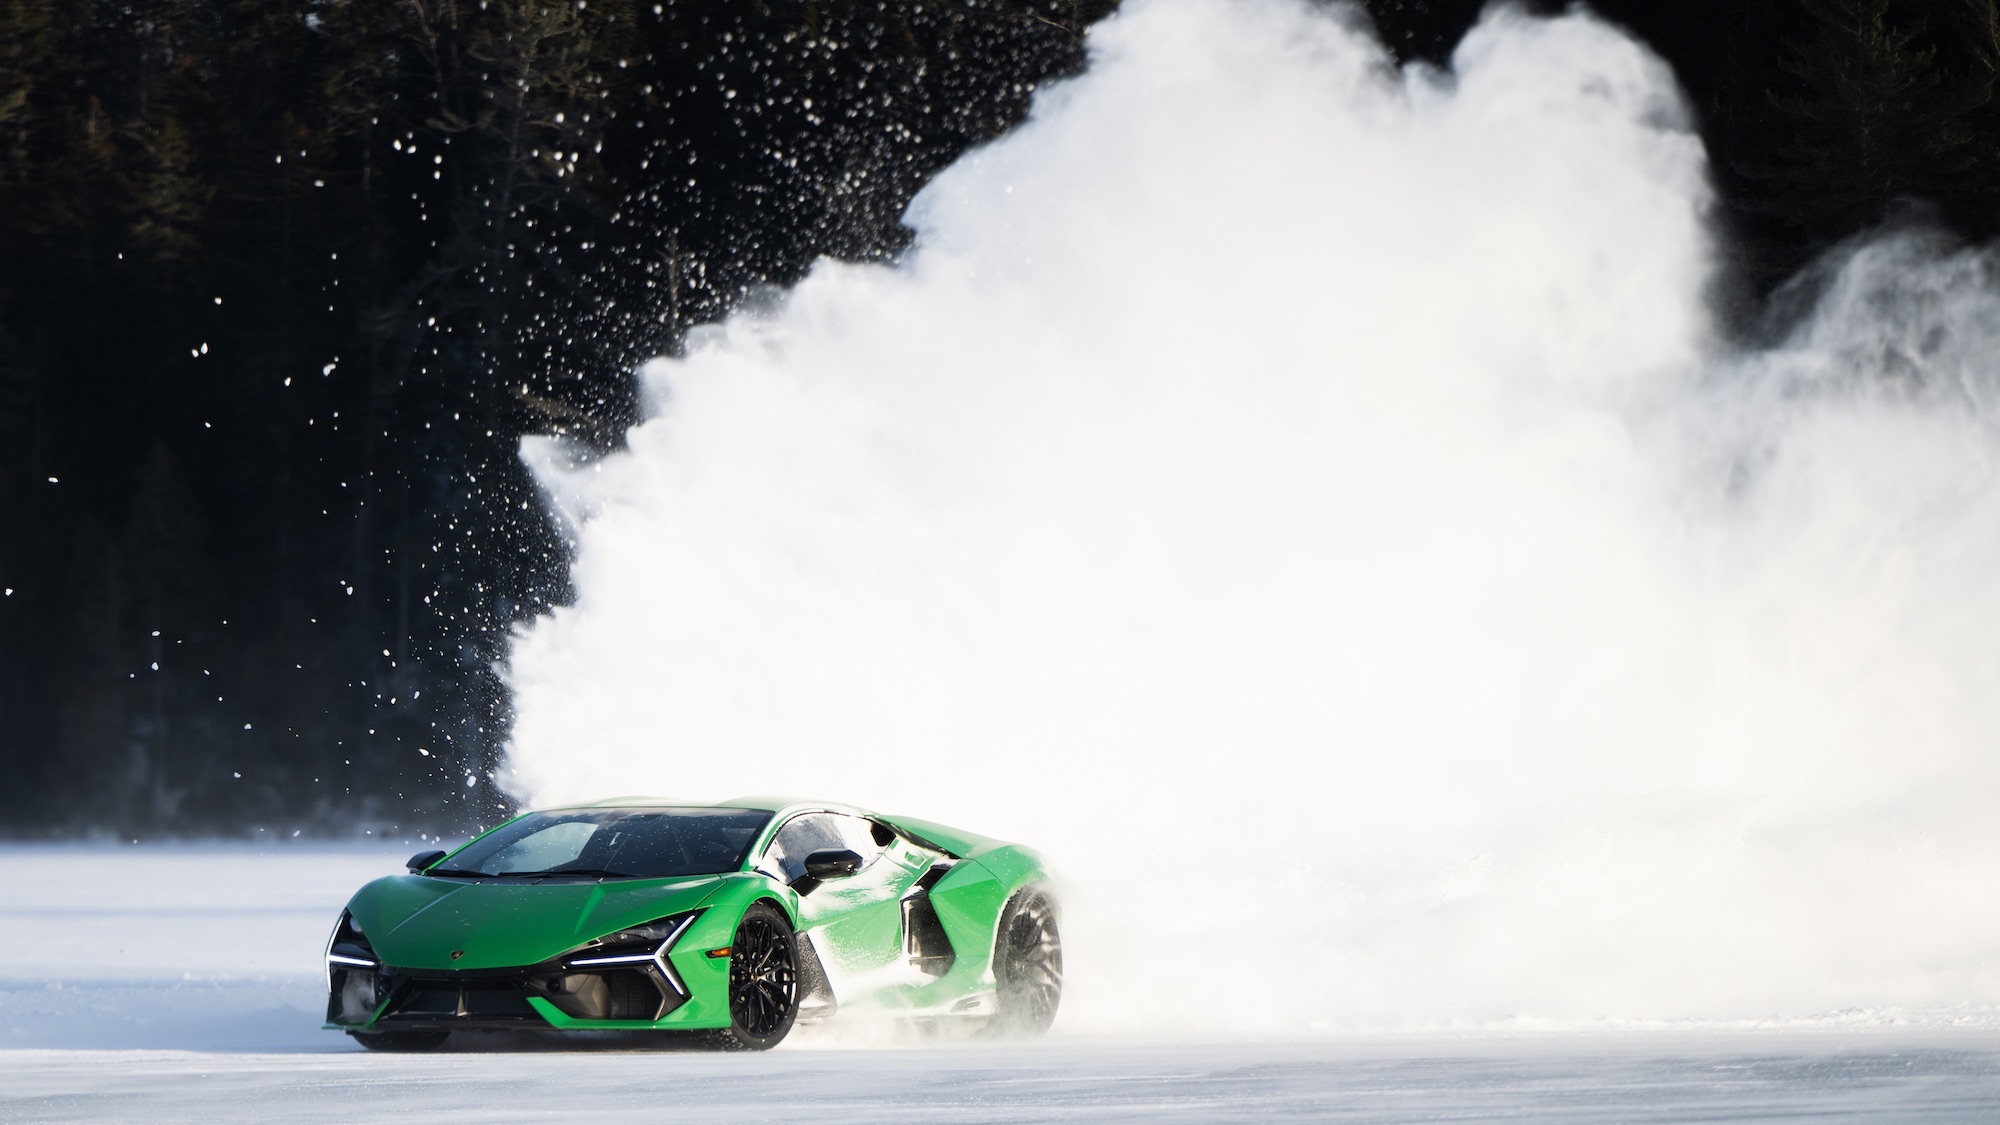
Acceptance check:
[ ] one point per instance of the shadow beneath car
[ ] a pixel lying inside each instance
(503, 1042)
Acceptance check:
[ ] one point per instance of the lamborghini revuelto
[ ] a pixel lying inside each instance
(733, 922)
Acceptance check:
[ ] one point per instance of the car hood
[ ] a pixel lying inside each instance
(424, 922)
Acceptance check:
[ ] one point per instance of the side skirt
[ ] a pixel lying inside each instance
(817, 1001)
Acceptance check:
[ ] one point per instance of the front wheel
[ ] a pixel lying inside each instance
(1027, 964)
(763, 982)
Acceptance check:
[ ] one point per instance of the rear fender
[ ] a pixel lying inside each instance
(1012, 864)
(969, 901)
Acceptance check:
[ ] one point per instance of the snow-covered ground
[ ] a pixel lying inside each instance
(1557, 1080)
(189, 947)
(183, 984)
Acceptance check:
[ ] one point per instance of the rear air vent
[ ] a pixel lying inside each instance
(924, 937)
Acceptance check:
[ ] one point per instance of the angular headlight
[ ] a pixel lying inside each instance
(353, 977)
(637, 946)
(346, 948)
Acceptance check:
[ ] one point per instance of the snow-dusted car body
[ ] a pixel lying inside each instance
(734, 920)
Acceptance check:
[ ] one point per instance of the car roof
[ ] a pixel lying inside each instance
(782, 809)
(765, 803)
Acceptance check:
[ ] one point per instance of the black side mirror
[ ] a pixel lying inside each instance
(422, 860)
(833, 863)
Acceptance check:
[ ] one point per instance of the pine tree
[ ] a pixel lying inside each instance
(1870, 120)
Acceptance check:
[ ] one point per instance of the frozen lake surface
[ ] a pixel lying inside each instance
(183, 984)
(1782, 1077)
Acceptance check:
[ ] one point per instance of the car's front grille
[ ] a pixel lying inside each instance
(487, 997)
(429, 998)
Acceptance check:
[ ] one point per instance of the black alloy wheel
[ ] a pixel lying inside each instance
(400, 1040)
(763, 981)
(1027, 964)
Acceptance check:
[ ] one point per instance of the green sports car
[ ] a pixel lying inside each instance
(733, 921)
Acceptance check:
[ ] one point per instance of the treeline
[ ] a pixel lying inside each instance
(284, 282)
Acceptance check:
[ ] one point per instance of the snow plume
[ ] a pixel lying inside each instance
(1310, 503)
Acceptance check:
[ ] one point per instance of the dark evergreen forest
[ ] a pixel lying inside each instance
(284, 282)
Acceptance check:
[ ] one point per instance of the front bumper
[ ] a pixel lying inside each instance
(590, 988)
(539, 997)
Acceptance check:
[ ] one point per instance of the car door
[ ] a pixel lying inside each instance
(857, 920)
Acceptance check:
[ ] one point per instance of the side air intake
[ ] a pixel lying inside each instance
(924, 939)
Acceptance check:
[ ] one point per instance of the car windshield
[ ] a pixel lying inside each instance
(624, 843)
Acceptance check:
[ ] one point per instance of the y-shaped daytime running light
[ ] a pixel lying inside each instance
(658, 957)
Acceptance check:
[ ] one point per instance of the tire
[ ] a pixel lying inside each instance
(401, 1041)
(1027, 964)
(763, 982)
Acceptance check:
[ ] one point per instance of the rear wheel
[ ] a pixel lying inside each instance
(763, 982)
(400, 1040)
(1027, 964)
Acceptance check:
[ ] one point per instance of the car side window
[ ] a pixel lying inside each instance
(812, 832)
(858, 836)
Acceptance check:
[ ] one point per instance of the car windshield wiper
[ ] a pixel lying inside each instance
(594, 871)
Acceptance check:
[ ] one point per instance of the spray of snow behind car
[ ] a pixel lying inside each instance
(1310, 502)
